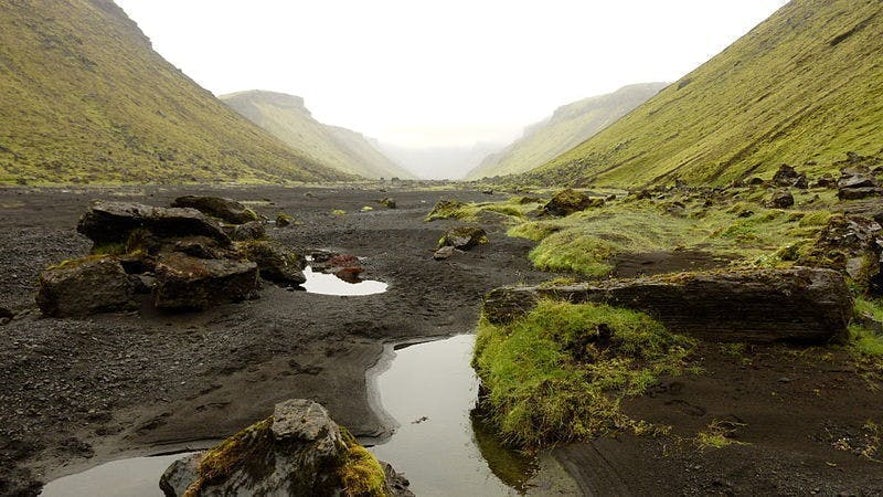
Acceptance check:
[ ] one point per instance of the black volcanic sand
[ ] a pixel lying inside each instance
(75, 393)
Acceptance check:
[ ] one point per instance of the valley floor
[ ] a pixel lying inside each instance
(78, 392)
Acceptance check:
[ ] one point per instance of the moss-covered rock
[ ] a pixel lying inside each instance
(225, 209)
(568, 201)
(90, 285)
(463, 237)
(298, 451)
(276, 262)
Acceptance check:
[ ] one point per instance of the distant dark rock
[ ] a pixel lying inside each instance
(188, 283)
(788, 177)
(568, 201)
(781, 199)
(444, 253)
(463, 237)
(113, 222)
(284, 220)
(87, 286)
(387, 202)
(804, 305)
(276, 262)
(298, 451)
(857, 182)
(826, 181)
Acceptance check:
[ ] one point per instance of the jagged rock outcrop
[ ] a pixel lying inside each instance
(184, 282)
(788, 177)
(84, 287)
(109, 222)
(781, 199)
(857, 183)
(226, 209)
(298, 451)
(799, 304)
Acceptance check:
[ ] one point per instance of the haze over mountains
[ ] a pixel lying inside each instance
(803, 87)
(84, 98)
(287, 118)
(450, 162)
(566, 128)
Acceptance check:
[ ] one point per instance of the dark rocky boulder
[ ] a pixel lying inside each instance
(788, 177)
(463, 237)
(225, 209)
(284, 220)
(298, 451)
(254, 230)
(113, 222)
(87, 286)
(189, 283)
(276, 262)
(857, 183)
(804, 305)
(568, 201)
(781, 199)
(445, 252)
(387, 202)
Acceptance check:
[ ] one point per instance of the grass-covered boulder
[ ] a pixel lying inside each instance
(568, 201)
(559, 373)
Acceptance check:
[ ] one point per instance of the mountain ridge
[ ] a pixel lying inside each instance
(568, 126)
(287, 118)
(85, 99)
(800, 88)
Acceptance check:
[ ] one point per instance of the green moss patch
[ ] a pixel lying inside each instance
(559, 373)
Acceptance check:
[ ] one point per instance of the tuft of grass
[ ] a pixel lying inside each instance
(360, 472)
(338, 212)
(717, 435)
(560, 372)
(866, 342)
(511, 210)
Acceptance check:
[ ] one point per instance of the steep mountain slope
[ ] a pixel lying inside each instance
(569, 126)
(286, 117)
(84, 98)
(803, 87)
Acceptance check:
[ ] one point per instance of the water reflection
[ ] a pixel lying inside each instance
(430, 389)
(329, 284)
(134, 477)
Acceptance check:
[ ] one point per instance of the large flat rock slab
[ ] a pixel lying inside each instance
(800, 304)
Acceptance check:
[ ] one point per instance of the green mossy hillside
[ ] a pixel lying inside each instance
(85, 99)
(569, 126)
(286, 118)
(802, 88)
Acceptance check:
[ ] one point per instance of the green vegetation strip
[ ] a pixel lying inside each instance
(559, 373)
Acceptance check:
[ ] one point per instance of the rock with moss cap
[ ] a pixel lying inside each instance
(225, 209)
(298, 451)
(463, 237)
(568, 201)
(276, 262)
(184, 282)
(86, 286)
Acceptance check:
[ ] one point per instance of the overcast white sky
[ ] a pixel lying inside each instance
(452, 72)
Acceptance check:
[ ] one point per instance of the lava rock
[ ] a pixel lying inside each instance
(87, 286)
(225, 209)
(113, 222)
(284, 220)
(857, 183)
(463, 237)
(298, 451)
(800, 304)
(787, 176)
(188, 283)
(276, 262)
(387, 202)
(444, 253)
(254, 230)
(568, 201)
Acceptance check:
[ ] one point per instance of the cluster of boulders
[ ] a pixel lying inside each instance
(201, 252)
(298, 451)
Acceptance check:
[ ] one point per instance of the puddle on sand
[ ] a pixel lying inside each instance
(134, 477)
(430, 389)
(329, 284)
